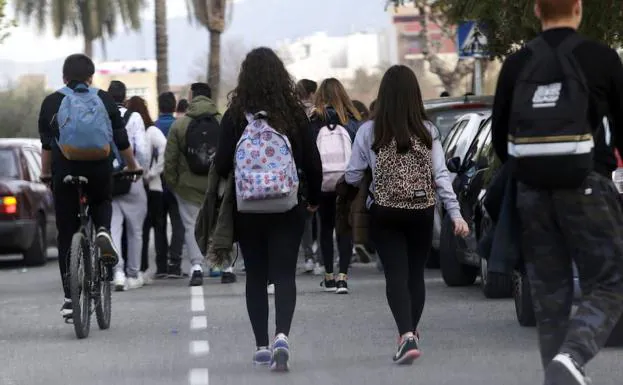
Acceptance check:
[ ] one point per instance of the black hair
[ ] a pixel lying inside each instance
(306, 88)
(182, 106)
(444, 94)
(399, 112)
(200, 89)
(78, 67)
(166, 103)
(117, 90)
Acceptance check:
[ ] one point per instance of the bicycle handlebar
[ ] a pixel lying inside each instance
(133, 175)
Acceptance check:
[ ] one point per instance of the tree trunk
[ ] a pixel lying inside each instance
(162, 49)
(88, 47)
(214, 64)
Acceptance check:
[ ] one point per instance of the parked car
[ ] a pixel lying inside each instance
(444, 112)
(461, 135)
(27, 219)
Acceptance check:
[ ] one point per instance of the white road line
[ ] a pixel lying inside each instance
(198, 377)
(198, 322)
(197, 304)
(199, 348)
(196, 291)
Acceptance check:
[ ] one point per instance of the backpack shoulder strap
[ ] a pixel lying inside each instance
(93, 90)
(570, 43)
(66, 91)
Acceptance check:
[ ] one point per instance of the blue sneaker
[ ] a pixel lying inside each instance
(281, 354)
(262, 356)
(215, 272)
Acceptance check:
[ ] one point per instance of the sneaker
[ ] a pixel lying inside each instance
(145, 278)
(362, 253)
(341, 287)
(328, 283)
(174, 271)
(262, 356)
(271, 289)
(67, 310)
(197, 278)
(281, 354)
(215, 272)
(318, 270)
(108, 251)
(408, 351)
(120, 281)
(134, 283)
(161, 274)
(228, 277)
(309, 265)
(563, 370)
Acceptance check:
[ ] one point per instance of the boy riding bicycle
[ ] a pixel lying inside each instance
(78, 126)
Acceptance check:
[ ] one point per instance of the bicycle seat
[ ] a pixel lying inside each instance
(72, 179)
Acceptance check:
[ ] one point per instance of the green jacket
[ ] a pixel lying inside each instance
(177, 175)
(214, 228)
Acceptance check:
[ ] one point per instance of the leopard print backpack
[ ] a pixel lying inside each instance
(404, 181)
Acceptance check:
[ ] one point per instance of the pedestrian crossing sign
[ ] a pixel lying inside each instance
(471, 40)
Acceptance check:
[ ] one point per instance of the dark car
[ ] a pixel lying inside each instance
(27, 220)
(444, 112)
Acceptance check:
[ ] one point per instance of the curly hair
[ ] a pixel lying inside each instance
(264, 84)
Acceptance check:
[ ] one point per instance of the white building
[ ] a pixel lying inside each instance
(320, 56)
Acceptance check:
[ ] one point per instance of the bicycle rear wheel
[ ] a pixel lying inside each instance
(103, 301)
(80, 270)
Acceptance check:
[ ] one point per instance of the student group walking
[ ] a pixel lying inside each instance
(300, 166)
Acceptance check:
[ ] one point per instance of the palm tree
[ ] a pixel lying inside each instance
(213, 15)
(162, 49)
(92, 19)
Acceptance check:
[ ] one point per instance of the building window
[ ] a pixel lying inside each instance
(142, 92)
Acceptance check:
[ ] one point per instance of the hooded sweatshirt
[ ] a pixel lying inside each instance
(177, 175)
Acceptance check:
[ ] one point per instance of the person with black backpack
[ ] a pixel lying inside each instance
(403, 150)
(191, 145)
(557, 117)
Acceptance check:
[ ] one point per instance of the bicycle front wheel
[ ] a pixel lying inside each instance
(80, 270)
(103, 303)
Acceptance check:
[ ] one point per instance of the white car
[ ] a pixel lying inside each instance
(455, 147)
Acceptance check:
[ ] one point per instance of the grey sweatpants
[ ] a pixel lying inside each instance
(130, 210)
(188, 213)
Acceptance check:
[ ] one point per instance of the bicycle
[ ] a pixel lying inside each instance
(87, 273)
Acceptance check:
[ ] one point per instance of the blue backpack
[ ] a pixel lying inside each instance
(85, 129)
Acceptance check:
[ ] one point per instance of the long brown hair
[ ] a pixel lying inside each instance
(399, 111)
(138, 104)
(331, 93)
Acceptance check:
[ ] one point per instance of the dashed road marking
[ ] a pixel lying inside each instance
(198, 322)
(199, 377)
(197, 303)
(199, 348)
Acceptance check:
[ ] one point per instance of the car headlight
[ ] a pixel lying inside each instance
(617, 178)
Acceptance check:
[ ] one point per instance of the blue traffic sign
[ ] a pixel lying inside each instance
(471, 41)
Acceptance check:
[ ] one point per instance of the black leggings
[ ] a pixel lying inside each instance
(403, 240)
(155, 218)
(270, 245)
(327, 211)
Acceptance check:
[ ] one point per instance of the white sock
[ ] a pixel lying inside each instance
(67, 300)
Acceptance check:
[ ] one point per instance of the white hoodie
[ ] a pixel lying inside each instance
(157, 143)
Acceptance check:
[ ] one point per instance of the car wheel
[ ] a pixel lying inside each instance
(433, 259)
(524, 307)
(495, 285)
(37, 253)
(453, 272)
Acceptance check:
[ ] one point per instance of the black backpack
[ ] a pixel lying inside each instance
(201, 142)
(550, 135)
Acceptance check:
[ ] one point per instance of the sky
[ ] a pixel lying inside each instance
(26, 45)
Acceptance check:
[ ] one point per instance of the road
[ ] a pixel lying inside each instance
(466, 339)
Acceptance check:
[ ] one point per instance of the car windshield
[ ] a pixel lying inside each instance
(445, 119)
(9, 167)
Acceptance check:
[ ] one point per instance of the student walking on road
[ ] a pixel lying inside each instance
(190, 149)
(557, 117)
(166, 106)
(129, 205)
(404, 152)
(335, 122)
(152, 178)
(265, 137)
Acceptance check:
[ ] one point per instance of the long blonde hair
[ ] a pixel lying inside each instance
(331, 93)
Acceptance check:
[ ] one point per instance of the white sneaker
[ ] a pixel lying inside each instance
(563, 370)
(309, 265)
(120, 281)
(318, 270)
(145, 278)
(134, 283)
(271, 288)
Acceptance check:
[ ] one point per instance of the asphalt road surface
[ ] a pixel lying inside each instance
(168, 334)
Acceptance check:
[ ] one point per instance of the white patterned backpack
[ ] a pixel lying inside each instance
(265, 171)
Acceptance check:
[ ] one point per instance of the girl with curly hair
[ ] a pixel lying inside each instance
(266, 97)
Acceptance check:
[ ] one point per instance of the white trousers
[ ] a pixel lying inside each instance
(130, 210)
(188, 213)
